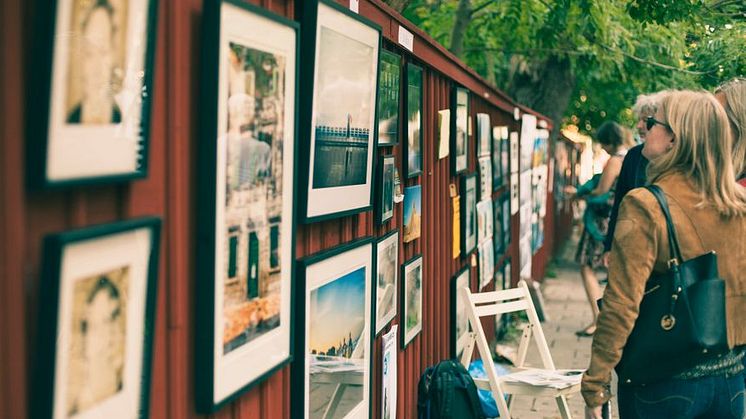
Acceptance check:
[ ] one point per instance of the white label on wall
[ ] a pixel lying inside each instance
(406, 39)
(355, 6)
(516, 113)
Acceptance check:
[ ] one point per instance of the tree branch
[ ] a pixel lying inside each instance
(481, 6)
(655, 63)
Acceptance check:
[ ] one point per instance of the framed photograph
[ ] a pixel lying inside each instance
(506, 222)
(484, 220)
(514, 154)
(389, 78)
(332, 377)
(499, 228)
(411, 300)
(497, 173)
(414, 120)
(91, 92)
(514, 193)
(246, 198)
(459, 129)
(486, 262)
(485, 178)
(484, 140)
(338, 98)
(385, 207)
(98, 307)
(459, 319)
(468, 214)
(387, 278)
(504, 147)
(412, 213)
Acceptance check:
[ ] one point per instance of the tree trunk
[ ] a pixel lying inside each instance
(463, 17)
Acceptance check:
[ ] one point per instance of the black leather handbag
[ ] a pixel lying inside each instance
(682, 316)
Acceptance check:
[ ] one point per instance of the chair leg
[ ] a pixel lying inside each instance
(563, 407)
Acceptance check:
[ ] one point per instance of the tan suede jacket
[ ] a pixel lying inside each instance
(641, 246)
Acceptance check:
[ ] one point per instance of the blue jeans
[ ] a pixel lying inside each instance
(707, 397)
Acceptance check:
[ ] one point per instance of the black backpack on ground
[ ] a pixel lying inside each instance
(446, 390)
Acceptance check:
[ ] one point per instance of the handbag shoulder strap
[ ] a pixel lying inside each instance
(673, 242)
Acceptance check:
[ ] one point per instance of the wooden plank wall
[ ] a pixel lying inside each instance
(168, 192)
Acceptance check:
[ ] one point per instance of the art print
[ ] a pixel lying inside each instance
(484, 220)
(498, 172)
(499, 226)
(387, 278)
(389, 79)
(414, 120)
(459, 129)
(385, 204)
(459, 318)
(486, 263)
(469, 214)
(485, 177)
(412, 213)
(484, 139)
(412, 300)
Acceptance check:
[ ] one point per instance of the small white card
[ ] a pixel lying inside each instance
(406, 39)
(355, 6)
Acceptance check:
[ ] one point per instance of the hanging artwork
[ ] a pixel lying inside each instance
(387, 278)
(246, 193)
(413, 150)
(468, 214)
(459, 319)
(505, 221)
(412, 213)
(498, 172)
(91, 91)
(411, 300)
(444, 133)
(98, 305)
(484, 221)
(339, 101)
(389, 77)
(332, 375)
(504, 154)
(484, 140)
(485, 178)
(385, 204)
(497, 211)
(486, 263)
(389, 374)
(459, 129)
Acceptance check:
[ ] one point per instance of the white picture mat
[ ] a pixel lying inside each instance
(82, 260)
(238, 367)
(514, 202)
(320, 274)
(326, 200)
(462, 281)
(409, 335)
(382, 319)
(484, 142)
(514, 152)
(444, 133)
(485, 177)
(528, 136)
(390, 374)
(78, 150)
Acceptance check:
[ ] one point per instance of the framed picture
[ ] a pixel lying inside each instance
(412, 213)
(339, 100)
(411, 300)
(389, 77)
(459, 319)
(246, 196)
(332, 377)
(97, 311)
(486, 262)
(497, 173)
(468, 214)
(485, 177)
(444, 133)
(484, 220)
(414, 120)
(506, 221)
(504, 147)
(499, 228)
(459, 129)
(484, 142)
(385, 207)
(387, 278)
(91, 92)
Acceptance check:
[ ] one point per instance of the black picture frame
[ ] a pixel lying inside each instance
(385, 187)
(331, 172)
(468, 214)
(255, 247)
(506, 221)
(457, 339)
(381, 320)
(498, 174)
(343, 258)
(389, 87)
(497, 224)
(409, 333)
(459, 130)
(120, 260)
(68, 146)
(413, 149)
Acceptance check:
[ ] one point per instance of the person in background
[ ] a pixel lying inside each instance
(615, 140)
(732, 95)
(690, 148)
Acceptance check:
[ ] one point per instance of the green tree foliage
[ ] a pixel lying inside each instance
(585, 61)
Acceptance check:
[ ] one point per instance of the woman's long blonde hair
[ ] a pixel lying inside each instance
(702, 149)
(735, 107)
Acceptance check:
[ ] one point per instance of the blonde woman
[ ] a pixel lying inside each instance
(689, 145)
(732, 95)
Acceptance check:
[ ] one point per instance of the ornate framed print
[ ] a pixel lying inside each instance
(96, 323)
(414, 120)
(387, 278)
(385, 205)
(411, 300)
(484, 140)
(468, 214)
(459, 319)
(412, 213)
(91, 92)
(338, 98)
(389, 78)
(246, 196)
(333, 374)
(460, 129)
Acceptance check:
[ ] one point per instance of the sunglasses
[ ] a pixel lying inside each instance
(650, 123)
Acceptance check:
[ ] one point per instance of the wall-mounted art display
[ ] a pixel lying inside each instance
(444, 133)
(385, 198)
(411, 300)
(484, 220)
(246, 196)
(468, 214)
(504, 160)
(97, 310)
(506, 221)
(485, 177)
(387, 278)
(389, 77)
(91, 92)
(459, 129)
(497, 211)
(412, 213)
(486, 262)
(484, 139)
(389, 374)
(338, 99)
(332, 376)
(459, 319)
(497, 171)
(413, 150)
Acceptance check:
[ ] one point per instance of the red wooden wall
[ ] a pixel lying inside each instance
(168, 192)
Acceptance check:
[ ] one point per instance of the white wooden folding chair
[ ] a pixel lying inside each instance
(493, 303)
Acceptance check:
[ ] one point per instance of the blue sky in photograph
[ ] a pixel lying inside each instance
(337, 309)
(412, 195)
